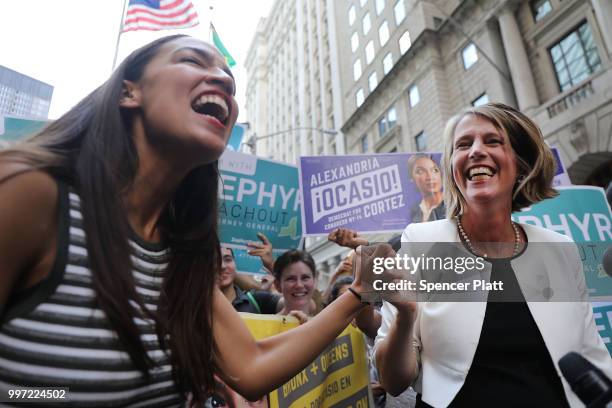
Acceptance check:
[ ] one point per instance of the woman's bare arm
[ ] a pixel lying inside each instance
(368, 321)
(255, 368)
(396, 357)
(28, 225)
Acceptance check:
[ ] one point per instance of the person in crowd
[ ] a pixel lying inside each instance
(338, 288)
(110, 252)
(252, 301)
(425, 173)
(344, 268)
(369, 321)
(295, 277)
(260, 282)
(492, 353)
(263, 250)
(225, 397)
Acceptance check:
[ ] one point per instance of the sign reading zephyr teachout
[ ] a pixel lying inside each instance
(257, 195)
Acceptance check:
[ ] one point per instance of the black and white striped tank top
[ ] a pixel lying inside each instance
(53, 335)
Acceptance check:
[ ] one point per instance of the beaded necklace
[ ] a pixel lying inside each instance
(464, 235)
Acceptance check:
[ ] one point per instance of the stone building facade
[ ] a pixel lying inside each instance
(402, 68)
(550, 58)
(292, 86)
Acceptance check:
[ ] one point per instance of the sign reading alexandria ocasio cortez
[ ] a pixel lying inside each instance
(257, 195)
(375, 192)
(367, 193)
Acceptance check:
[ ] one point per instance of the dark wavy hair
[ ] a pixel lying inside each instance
(91, 147)
(290, 257)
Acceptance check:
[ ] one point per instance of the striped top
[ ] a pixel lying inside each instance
(54, 335)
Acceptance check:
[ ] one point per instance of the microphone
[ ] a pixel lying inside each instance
(588, 382)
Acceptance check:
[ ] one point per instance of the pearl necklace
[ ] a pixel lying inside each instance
(517, 237)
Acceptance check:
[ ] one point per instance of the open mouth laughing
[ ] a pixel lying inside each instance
(480, 173)
(212, 105)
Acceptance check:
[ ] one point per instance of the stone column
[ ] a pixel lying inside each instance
(603, 12)
(516, 55)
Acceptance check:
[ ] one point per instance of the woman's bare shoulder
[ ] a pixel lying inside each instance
(28, 224)
(22, 184)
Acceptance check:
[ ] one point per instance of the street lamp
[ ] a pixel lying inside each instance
(252, 142)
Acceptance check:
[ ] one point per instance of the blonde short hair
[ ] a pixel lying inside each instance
(536, 163)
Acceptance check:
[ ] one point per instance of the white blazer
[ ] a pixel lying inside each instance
(447, 333)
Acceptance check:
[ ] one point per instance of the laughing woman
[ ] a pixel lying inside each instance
(497, 354)
(109, 249)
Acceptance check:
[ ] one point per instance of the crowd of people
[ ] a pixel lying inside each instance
(116, 287)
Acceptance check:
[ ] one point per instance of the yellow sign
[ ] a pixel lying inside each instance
(338, 377)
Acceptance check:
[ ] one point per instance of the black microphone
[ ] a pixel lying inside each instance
(588, 382)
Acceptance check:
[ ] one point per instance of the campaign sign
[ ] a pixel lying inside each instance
(602, 314)
(257, 195)
(338, 377)
(583, 214)
(561, 177)
(14, 129)
(368, 193)
(236, 136)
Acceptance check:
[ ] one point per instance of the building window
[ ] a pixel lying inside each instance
(399, 11)
(352, 15)
(383, 33)
(540, 8)
(359, 97)
(357, 70)
(380, 6)
(372, 81)
(364, 143)
(354, 41)
(481, 100)
(575, 57)
(387, 63)
(469, 55)
(366, 23)
(387, 122)
(404, 42)
(369, 50)
(421, 141)
(413, 96)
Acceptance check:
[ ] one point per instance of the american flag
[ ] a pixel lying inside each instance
(159, 15)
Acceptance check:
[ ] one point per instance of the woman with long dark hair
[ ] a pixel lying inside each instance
(109, 247)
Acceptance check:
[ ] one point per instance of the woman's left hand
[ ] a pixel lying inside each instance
(298, 314)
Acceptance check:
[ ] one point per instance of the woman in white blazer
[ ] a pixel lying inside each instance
(501, 354)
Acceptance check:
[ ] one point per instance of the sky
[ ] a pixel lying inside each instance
(70, 44)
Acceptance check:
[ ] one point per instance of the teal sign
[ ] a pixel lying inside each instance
(238, 132)
(583, 214)
(258, 195)
(14, 129)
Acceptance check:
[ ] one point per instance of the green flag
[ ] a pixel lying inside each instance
(217, 41)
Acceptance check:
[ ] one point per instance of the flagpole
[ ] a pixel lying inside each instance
(210, 23)
(119, 35)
